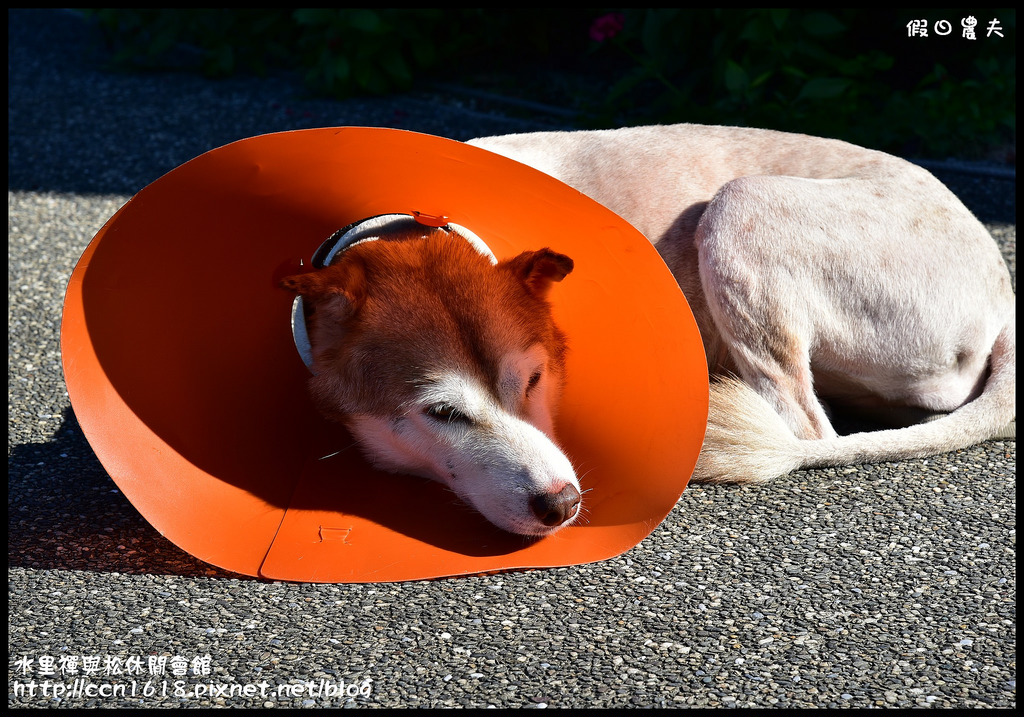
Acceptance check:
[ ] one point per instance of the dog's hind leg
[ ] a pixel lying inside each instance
(748, 442)
(751, 267)
(844, 287)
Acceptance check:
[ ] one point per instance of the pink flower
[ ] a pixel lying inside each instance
(607, 26)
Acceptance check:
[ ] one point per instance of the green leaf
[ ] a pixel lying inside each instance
(821, 24)
(650, 34)
(365, 20)
(779, 17)
(424, 52)
(823, 88)
(370, 78)
(757, 30)
(340, 69)
(165, 37)
(736, 79)
(221, 60)
(762, 78)
(881, 61)
(314, 16)
(397, 68)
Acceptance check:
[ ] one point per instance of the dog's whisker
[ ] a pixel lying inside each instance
(582, 516)
(338, 452)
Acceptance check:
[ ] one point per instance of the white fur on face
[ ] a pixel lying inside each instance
(494, 452)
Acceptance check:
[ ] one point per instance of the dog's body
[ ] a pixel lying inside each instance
(815, 270)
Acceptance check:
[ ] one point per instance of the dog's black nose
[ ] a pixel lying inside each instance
(555, 508)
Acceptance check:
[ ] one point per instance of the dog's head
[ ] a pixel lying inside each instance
(445, 365)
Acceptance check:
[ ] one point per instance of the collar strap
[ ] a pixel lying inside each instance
(380, 227)
(374, 228)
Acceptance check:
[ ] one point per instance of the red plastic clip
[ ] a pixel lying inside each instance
(430, 220)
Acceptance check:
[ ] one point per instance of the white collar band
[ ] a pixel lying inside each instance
(380, 227)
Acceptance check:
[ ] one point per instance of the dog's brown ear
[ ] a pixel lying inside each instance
(539, 269)
(337, 290)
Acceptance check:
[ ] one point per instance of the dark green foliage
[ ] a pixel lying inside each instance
(852, 74)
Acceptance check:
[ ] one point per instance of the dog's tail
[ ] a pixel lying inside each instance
(747, 441)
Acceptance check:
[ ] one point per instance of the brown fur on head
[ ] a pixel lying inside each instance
(379, 312)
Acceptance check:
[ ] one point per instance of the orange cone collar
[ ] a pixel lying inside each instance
(183, 373)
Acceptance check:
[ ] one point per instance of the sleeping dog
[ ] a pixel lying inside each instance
(819, 273)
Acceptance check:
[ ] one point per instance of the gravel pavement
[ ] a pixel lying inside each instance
(875, 586)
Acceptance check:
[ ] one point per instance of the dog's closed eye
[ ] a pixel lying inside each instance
(532, 383)
(447, 413)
